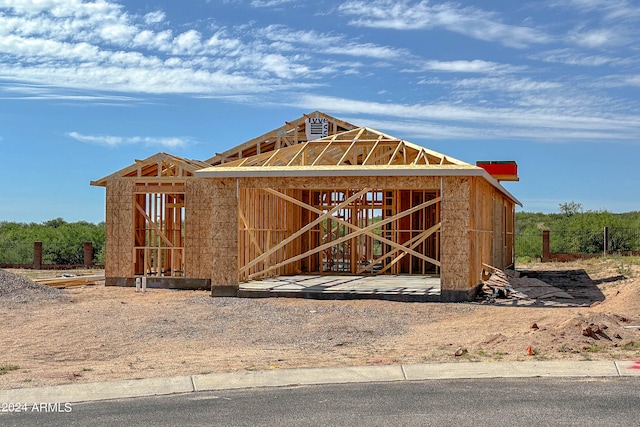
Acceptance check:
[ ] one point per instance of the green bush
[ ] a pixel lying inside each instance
(62, 242)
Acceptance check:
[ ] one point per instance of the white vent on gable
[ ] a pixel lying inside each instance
(316, 128)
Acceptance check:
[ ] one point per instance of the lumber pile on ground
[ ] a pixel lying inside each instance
(68, 280)
(509, 284)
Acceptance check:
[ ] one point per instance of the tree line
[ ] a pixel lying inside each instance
(62, 241)
(574, 230)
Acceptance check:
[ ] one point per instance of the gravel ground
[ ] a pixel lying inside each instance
(98, 333)
(18, 289)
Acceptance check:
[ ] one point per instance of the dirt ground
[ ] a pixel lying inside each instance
(98, 333)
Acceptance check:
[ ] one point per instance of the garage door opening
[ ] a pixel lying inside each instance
(338, 231)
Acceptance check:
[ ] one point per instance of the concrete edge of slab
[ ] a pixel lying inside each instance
(73, 393)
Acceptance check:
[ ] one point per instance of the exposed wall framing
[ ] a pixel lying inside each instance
(366, 231)
(146, 217)
(159, 233)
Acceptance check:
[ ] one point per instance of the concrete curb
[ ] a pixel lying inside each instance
(314, 376)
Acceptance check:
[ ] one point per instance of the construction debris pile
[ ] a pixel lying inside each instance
(500, 286)
(19, 289)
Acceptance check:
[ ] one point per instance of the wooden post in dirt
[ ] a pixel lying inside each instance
(88, 255)
(546, 247)
(606, 241)
(37, 255)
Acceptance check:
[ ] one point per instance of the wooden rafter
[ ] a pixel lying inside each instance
(346, 152)
(395, 152)
(291, 134)
(324, 150)
(298, 154)
(360, 146)
(159, 165)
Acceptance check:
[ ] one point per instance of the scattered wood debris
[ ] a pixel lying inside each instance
(68, 280)
(510, 285)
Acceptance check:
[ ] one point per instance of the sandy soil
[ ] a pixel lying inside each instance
(97, 333)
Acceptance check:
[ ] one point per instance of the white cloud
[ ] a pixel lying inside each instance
(513, 122)
(100, 47)
(154, 17)
(570, 57)
(188, 43)
(619, 10)
(601, 23)
(153, 40)
(316, 43)
(414, 15)
(463, 66)
(507, 84)
(62, 8)
(115, 141)
(595, 38)
(269, 3)
(118, 33)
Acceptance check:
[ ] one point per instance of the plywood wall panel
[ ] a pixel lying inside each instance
(455, 235)
(119, 228)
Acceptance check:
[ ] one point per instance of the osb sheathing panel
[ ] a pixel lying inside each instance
(455, 240)
(119, 228)
(508, 255)
(492, 224)
(482, 228)
(498, 224)
(211, 236)
(511, 231)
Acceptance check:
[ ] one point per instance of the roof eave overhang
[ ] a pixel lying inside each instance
(324, 171)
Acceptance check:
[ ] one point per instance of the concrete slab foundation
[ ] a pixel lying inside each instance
(162, 283)
(394, 288)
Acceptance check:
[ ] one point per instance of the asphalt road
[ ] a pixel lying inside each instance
(479, 402)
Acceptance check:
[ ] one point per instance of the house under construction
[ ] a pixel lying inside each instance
(317, 196)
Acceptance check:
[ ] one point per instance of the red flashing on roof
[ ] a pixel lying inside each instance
(501, 170)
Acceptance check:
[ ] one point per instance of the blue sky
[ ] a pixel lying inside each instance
(86, 87)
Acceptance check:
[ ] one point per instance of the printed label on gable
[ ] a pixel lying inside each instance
(316, 128)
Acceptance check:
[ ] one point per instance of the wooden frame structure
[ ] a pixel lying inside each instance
(337, 231)
(156, 209)
(291, 134)
(354, 201)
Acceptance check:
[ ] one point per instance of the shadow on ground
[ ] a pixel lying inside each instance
(576, 283)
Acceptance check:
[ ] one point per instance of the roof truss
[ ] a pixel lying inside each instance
(360, 146)
(291, 134)
(158, 166)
